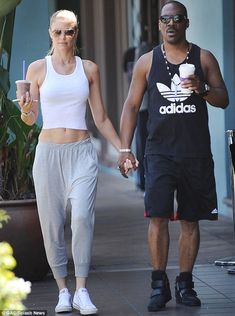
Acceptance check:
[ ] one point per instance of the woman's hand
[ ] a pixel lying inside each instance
(26, 103)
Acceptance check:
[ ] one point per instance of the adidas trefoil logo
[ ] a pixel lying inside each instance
(175, 92)
(215, 211)
(176, 96)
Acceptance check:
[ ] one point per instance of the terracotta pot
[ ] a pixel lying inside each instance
(23, 233)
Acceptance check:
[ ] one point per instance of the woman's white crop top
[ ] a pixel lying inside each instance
(64, 97)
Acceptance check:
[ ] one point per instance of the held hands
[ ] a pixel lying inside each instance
(127, 162)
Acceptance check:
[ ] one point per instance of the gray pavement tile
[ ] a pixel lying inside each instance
(119, 282)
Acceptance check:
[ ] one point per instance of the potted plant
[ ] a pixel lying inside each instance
(17, 147)
(13, 290)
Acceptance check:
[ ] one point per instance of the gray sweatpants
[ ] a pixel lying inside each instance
(66, 173)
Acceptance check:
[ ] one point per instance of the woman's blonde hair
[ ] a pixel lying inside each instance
(68, 15)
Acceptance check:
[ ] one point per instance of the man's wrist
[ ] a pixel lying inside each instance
(125, 150)
(205, 89)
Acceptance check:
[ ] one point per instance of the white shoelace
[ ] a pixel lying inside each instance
(84, 297)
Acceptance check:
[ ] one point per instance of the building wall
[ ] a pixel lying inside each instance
(229, 71)
(30, 37)
(207, 30)
(105, 29)
(104, 33)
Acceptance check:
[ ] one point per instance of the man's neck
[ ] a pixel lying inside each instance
(176, 53)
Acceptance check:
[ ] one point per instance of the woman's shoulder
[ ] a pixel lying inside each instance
(37, 70)
(37, 65)
(89, 65)
(91, 69)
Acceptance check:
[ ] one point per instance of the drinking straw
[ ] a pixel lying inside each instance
(23, 69)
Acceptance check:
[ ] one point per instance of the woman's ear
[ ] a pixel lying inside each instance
(50, 33)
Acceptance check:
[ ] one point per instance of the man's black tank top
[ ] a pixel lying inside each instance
(178, 122)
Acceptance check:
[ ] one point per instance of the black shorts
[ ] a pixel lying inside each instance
(190, 180)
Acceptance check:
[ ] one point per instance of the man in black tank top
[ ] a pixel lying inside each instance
(178, 159)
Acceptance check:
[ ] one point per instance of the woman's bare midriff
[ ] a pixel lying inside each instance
(62, 135)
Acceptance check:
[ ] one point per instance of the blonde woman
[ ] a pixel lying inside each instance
(65, 167)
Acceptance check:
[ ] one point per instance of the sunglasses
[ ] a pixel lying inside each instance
(178, 18)
(69, 32)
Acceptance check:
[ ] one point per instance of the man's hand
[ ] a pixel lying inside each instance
(192, 83)
(127, 162)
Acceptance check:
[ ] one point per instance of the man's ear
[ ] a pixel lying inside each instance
(159, 28)
(187, 23)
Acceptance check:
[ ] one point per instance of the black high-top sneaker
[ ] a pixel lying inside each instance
(184, 292)
(161, 293)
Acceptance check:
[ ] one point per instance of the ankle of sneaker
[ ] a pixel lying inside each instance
(185, 276)
(81, 290)
(158, 274)
(64, 290)
(82, 298)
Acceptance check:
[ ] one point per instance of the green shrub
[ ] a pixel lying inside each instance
(13, 290)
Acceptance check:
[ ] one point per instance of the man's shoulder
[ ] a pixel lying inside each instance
(145, 59)
(201, 49)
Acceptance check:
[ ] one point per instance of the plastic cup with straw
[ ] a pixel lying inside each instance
(22, 86)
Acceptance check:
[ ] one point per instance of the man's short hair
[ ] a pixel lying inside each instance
(179, 4)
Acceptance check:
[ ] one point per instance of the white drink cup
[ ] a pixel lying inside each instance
(186, 70)
(22, 86)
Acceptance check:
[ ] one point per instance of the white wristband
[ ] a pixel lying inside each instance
(125, 150)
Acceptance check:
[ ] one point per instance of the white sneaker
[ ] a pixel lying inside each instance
(64, 304)
(82, 302)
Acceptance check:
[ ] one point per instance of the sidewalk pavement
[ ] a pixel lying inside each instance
(119, 281)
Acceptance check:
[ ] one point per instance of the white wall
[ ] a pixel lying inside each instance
(206, 30)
